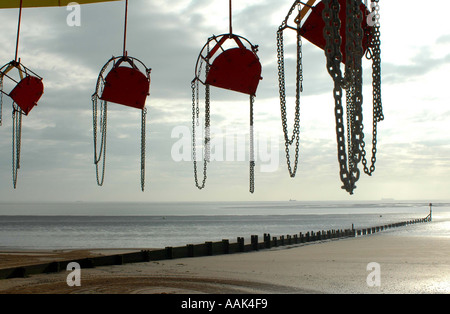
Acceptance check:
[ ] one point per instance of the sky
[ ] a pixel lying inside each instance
(413, 159)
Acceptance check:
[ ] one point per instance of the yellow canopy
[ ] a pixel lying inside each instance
(8, 4)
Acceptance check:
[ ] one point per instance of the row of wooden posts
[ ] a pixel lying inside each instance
(205, 249)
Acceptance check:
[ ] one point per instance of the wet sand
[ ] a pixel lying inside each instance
(407, 265)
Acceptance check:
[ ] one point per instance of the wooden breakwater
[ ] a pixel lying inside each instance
(205, 249)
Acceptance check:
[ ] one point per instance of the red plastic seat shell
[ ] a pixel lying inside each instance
(314, 25)
(236, 69)
(126, 86)
(27, 93)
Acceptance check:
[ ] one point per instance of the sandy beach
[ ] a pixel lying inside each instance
(408, 264)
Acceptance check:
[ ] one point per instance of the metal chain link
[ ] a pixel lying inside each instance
(100, 155)
(353, 71)
(252, 149)
(352, 82)
(143, 135)
(374, 53)
(16, 142)
(282, 90)
(1, 98)
(333, 55)
(195, 122)
(143, 122)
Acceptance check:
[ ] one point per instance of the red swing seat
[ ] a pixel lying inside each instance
(27, 93)
(126, 86)
(236, 69)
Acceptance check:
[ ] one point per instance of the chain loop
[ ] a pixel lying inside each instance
(100, 154)
(195, 122)
(333, 55)
(289, 141)
(374, 53)
(352, 82)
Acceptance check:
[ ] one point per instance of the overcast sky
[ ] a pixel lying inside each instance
(413, 160)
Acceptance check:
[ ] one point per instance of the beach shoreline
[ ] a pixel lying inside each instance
(408, 264)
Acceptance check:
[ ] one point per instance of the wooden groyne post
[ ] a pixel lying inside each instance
(431, 212)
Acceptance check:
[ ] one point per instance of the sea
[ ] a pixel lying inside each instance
(83, 225)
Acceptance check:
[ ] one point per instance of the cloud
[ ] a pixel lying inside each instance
(167, 36)
(422, 64)
(444, 39)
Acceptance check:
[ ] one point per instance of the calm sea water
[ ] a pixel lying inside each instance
(156, 225)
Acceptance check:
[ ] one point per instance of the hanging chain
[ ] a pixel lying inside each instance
(376, 65)
(252, 148)
(352, 82)
(99, 120)
(207, 135)
(100, 155)
(1, 98)
(282, 90)
(333, 54)
(374, 53)
(195, 86)
(353, 75)
(195, 122)
(143, 136)
(16, 142)
(143, 120)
